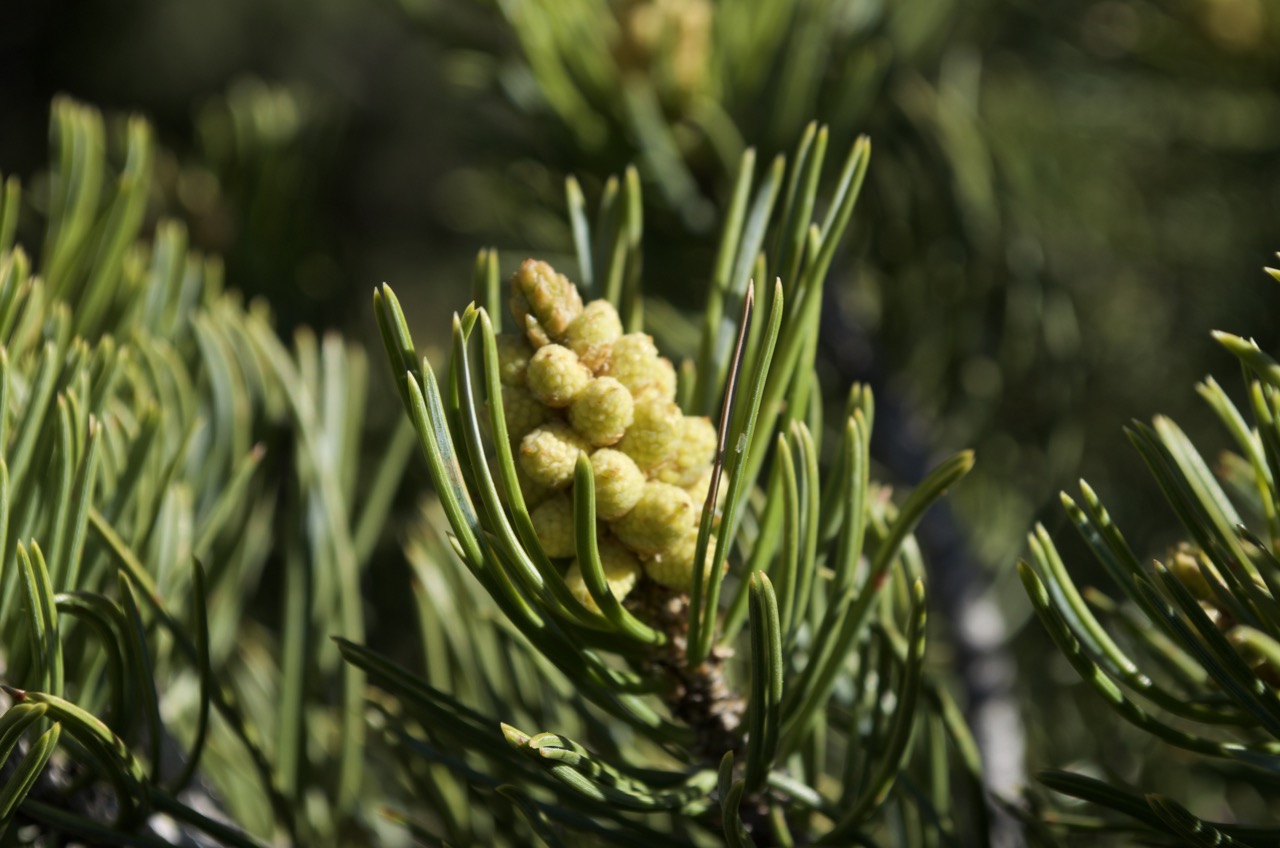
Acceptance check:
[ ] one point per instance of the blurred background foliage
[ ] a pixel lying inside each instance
(160, 423)
(1066, 197)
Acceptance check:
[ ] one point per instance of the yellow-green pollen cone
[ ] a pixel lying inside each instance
(574, 383)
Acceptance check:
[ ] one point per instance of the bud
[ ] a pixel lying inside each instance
(633, 362)
(553, 522)
(621, 570)
(651, 438)
(701, 487)
(555, 376)
(602, 411)
(513, 358)
(674, 35)
(592, 334)
(543, 302)
(533, 493)
(521, 412)
(1185, 565)
(619, 483)
(658, 521)
(661, 383)
(674, 569)
(694, 453)
(549, 453)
